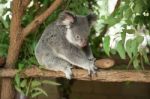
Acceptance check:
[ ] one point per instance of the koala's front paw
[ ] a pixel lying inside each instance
(92, 59)
(68, 73)
(92, 69)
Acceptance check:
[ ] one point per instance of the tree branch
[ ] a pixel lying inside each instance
(102, 75)
(37, 21)
(25, 3)
(18, 7)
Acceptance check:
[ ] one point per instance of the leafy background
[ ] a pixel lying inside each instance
(120, 31)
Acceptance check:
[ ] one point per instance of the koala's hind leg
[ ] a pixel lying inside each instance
(52, 62)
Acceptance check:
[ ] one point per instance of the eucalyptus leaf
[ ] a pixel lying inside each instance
(128, 48)
(146, 60)
(23, 83)
(138, 6)
(123, 36)
(35, 83)
(21, 66)
(50, 82)
(17, 79)
(120, 49)
(135, 44)
(40, 90)
(5, 23)
(134, 48)
(33, 95)
(139, 39)
(106, 44)
(112, 21)
(136, 64)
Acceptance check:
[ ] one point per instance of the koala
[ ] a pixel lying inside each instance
(64, 44)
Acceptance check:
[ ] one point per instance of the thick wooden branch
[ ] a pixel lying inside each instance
(80, 74)
(18, 7)
(38, 20)
(25, 3)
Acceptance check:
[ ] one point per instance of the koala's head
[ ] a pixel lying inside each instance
(78, 27)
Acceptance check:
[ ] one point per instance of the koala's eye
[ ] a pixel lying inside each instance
(77, 36)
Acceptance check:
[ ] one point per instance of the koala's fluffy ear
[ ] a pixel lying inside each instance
(66, 18)
(91, 18)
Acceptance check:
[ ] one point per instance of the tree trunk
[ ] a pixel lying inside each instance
(7, 91)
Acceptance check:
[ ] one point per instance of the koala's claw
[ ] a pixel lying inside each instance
(92, 73)
(92, 70)
(95, 68)
(92, 59)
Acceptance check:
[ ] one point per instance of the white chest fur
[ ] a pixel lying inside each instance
(69, 35)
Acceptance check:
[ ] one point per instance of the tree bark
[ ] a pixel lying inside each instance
(7, 91)
(37, 21)
(7, 82)
(80, 74)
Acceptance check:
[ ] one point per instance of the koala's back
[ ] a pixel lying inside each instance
(53, 34)
(53, 37)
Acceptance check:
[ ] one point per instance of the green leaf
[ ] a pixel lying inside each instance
(21, 66)
(128, 13)
(23, 83)
(138, 6)
(130, 31)
(5, 23)
(113, 51)
(50, 82)
(123, 36)
(134, 48)
(36, 94)
(128, 48)
(136, 64)
(40, 90)
(106, 44)
(32, 60)
(3, 49)
(144, 54)
(17, 79)
(35, 83)
(120, 49)
(112, 21)
(139, 39)
(135, 44)
(146, 59)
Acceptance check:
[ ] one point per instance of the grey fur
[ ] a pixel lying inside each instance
(56, 52)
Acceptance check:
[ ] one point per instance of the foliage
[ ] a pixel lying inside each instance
(128, 30)
(4, 27)
(31, 87)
